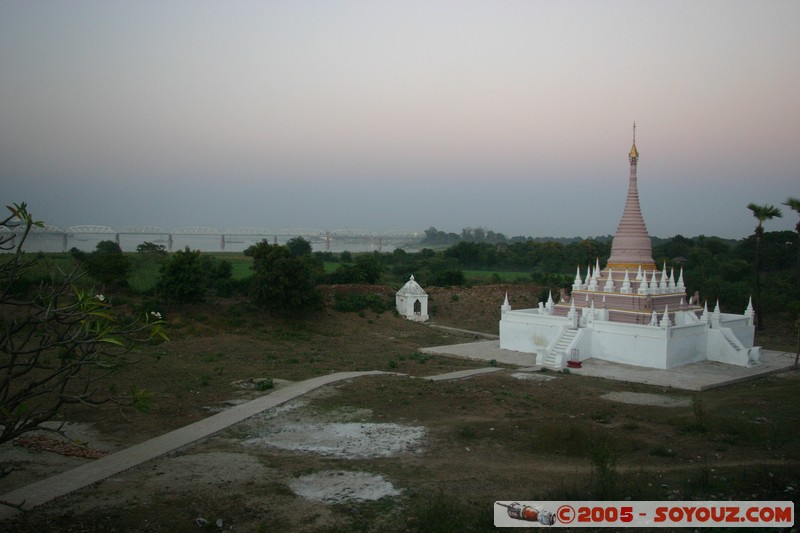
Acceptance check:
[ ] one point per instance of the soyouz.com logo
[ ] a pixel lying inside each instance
(667, 514)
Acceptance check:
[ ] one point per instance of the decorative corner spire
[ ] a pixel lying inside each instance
(626, 283)
(506, 306)
(665, 321)
(609, 286)
(578, 283)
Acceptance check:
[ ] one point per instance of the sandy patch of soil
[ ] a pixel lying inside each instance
(341, 432)
(530, 376)
(336, 486)
(352, 440)
(210, 469)
(205, 471)
(641, 398)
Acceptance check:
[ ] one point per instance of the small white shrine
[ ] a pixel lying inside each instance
(629, 312)
(412, 301)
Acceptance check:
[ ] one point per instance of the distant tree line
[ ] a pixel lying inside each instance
(434, 236)
(715, 267)
(284, 278)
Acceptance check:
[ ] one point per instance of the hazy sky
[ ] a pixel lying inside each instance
(383, 115)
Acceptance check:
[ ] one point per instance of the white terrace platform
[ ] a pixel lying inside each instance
(694, 376)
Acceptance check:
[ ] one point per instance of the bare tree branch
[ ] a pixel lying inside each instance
(57, 340)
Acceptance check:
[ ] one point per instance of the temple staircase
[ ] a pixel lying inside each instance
(732, 341)
(732, 350)
(558, 353)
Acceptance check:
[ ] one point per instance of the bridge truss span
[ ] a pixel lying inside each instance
(195, 230)
(300, 232)
(143, 230)
(240, 236)
(90, 229)
(353, 232)
(250, 232)
(44, 228)
(403, 234)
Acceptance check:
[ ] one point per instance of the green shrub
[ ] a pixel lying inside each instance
(351, 302)
(184, 278)
(283, 284)
(265, 384)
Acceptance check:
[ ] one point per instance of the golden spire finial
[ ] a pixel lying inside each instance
(634, 153)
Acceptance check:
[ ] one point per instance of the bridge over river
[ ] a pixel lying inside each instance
(50, 238)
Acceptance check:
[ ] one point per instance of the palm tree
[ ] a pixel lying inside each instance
(762, 213)
(794, 204)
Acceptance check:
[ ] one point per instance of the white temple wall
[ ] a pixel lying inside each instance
(642, 345)
(629, 344)
(742, 326)
(584, 345)
(720, 349)
(686, 344)
(405, 307)
(527, 331)
(401, 303)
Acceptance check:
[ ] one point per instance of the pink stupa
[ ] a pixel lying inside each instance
(630, 288)
(632, 247)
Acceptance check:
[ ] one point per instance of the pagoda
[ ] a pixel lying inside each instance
(630, 288)
(629, 312)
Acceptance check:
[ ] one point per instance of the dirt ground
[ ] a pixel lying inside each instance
(395, 452)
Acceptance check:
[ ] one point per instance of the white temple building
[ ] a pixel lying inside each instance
(412, 301)
(629, 312)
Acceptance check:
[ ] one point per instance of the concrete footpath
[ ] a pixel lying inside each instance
(64, 483)
(61, 484)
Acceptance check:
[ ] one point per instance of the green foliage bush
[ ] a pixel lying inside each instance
(149, 248)
(265, 384)
(350, 302)
(183, 279)
(364, 269)
(299, 247)
(108, 265)
(283, 284)
(189, 275)
(347, 274)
